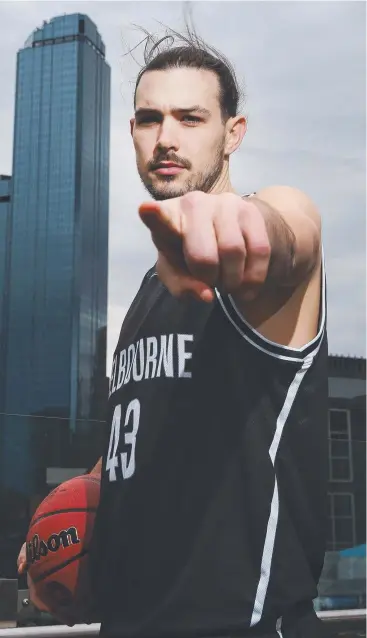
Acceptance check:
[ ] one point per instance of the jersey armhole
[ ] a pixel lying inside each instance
(273, 349)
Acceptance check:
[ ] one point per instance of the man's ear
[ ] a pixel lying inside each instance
(132, 124)
(236, 129)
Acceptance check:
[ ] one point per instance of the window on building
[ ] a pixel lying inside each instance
(340, 446)
(341, 521)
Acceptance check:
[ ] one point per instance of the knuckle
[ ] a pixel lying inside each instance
(256, 276)
(261, 248)
(203, 260)
(228, 196)
(193, 198)
(233, 198)
(264, 251)
(233, 248)
(230, 204)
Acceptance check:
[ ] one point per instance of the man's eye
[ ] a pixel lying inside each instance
(191, 119)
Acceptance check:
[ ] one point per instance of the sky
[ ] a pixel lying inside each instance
(303, 66)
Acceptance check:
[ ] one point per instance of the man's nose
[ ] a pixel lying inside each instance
(167, 137)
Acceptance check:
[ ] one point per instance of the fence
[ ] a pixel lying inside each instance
(346, 624)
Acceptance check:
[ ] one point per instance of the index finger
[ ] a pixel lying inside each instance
(161, 217)
(165, 232)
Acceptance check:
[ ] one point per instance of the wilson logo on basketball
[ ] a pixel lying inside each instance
(37, 548)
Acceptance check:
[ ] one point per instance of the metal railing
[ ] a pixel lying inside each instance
(52, 631)
(353, 620)
(20, 619)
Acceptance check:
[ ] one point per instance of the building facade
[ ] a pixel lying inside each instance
(5, 202)
(56, 314)
(347, 453)
(343, 583)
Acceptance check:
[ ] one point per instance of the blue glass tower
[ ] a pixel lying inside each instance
(5, 195)
(57, 304)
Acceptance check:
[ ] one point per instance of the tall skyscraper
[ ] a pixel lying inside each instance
(57, 305)
(5, 195)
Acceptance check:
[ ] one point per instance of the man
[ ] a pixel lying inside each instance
(212, 513)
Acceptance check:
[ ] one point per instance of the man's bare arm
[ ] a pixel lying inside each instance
(294, 229)
(287, 306)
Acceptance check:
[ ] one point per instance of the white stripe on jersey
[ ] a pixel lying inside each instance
(267, 556)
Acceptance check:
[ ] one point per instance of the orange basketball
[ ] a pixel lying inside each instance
(58, 543)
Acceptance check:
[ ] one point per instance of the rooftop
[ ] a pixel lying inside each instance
(66, 28)
(351, 367)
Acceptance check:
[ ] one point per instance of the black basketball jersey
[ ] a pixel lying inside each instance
(213, 497)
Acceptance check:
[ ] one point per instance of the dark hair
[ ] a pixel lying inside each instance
(194, 53)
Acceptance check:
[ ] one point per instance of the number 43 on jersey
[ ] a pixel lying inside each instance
(127, 458)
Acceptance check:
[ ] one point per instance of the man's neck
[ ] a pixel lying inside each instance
(223, 184)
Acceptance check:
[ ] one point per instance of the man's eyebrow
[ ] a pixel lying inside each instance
(175, 109)
(146, 111)
(197, 108)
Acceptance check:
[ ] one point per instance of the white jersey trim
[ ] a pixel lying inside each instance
(290, 353)
(253, 343)
(271, 530)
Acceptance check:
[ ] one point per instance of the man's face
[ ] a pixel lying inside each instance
(178, 132)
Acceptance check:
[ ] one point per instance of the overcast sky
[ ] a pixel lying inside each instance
(304, 68)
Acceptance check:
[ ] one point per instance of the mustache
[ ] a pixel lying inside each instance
(168, 157)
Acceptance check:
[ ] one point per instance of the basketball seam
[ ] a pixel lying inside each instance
(62, 511)
(57, 568)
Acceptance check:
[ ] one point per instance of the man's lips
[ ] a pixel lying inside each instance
(168, 168)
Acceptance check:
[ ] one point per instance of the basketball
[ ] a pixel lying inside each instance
(57, 546)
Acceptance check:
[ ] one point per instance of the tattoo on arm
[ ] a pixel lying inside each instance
(282, 265)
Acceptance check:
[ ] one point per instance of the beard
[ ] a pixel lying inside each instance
(167, 188)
